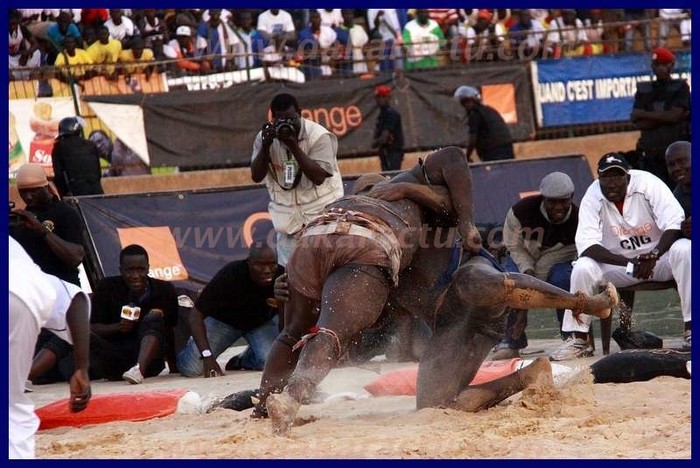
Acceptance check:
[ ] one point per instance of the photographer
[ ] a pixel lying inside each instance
(297, 159)
(48, 229)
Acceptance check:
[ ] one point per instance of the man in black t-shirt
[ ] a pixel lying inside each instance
(661, 112)
(388, 133)
(488, 132)
(132, 346)
(49, 229)
(237, 302)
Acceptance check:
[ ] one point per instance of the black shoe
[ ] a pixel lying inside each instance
(238, 401)
(234, 363)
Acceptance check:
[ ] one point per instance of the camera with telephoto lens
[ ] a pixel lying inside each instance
(283, 128)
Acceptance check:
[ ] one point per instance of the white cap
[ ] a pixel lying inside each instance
(183, 31)
(465, 92)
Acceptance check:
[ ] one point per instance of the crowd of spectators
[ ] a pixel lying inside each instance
(321, 42)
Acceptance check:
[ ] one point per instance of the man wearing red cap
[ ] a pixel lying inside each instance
(661, 112)
(388, 133)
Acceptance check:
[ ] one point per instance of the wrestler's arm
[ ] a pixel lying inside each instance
(434, 198)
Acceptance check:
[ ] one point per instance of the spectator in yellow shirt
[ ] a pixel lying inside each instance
(73, 61)
(134, 60)
(105, 51)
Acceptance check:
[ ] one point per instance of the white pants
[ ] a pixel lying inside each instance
(23, 422)
(589, 276)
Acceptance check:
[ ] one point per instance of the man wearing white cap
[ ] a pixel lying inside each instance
(539, 234)
(629, 231)
(488, 133)
(188, 51)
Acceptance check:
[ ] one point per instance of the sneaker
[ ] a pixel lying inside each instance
(686, 340)
(502, 353)
(133, 375)
(573, 348)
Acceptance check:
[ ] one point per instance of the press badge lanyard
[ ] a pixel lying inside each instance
(291, 176)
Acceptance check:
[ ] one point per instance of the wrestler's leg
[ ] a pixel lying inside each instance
(462, 339)
(483, 286)
(353, 298)
(299, 317)
(486, 395)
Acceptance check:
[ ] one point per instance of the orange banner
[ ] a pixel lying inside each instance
(502, 98)
(164, 258)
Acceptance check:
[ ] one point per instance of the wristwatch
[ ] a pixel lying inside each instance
(206, 353)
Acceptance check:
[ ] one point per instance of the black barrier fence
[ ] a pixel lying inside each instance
(218, 127)
(190, 235)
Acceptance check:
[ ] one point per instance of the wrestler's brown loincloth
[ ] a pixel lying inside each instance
(337, 238)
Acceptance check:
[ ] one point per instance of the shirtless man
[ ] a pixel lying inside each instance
(354, 272)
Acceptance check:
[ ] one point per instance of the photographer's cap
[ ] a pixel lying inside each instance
(613, 161)
(557, 185)
(31, 176)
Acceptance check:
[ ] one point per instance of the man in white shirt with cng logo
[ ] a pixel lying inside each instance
(628, 232)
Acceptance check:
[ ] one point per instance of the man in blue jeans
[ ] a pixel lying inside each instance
(237, 302)
(539, 234)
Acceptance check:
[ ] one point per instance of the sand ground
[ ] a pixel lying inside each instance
(579, 420)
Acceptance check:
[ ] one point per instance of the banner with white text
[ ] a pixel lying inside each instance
(586, 90)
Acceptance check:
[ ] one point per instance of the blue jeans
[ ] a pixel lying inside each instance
(221, 336)
(559, 276)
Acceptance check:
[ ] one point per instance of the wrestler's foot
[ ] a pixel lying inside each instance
(282, 409)
(537, 373)
(484, 396)
(601, 304)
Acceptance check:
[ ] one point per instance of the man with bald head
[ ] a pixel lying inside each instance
(678, 158)
(236, 303)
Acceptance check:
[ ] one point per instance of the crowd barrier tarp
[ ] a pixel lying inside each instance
(190, 235)
(218, 127)
(585, 90)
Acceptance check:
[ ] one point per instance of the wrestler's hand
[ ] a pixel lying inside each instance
(211, 367)
(80, 392)
(281, 288)
(388, 192)
(471, 239)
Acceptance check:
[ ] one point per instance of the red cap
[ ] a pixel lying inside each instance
(382, 91)
(485, 14)
(662, 55)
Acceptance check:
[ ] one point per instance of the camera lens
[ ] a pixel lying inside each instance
(285, 129)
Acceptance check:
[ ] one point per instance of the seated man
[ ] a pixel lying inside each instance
(237, 302)
(347, 261)
(539, 234)
(678, 159)
(628, 232)
(126, 343)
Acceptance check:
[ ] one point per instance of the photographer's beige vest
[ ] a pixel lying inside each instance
(291, 209)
